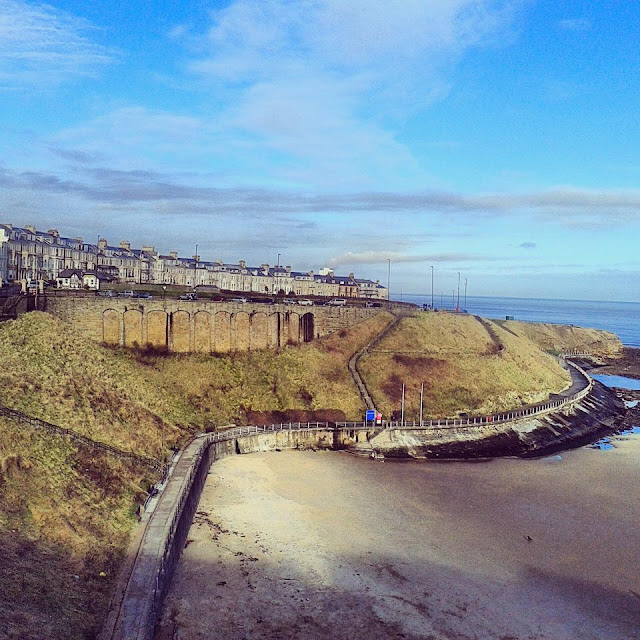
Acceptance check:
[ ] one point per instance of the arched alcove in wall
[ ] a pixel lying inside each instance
(132, 328)
(111, 327)
(180, 332)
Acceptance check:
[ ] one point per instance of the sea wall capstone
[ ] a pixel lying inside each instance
(200, 326)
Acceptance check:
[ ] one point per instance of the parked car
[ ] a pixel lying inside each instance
(107, 293)
(142, 294)
(126, 294)
(238, 300)
(337, 302)
(189, 296)
(305, 302)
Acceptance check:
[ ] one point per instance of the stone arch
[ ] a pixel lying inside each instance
(180, 332)
(293, 328)
(307, 327)
(242, 327)
(259, 330)
(132, 328)
(274, 330)
(222, 332)
(202, 331)
(157, 333)
(111, 327)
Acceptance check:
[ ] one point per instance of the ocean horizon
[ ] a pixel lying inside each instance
(620, 318)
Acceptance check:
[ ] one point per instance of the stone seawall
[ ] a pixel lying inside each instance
(200, 326)
(573, 424)
(166, 532)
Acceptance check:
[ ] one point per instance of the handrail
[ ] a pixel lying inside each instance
(484, 420)
(18, 416)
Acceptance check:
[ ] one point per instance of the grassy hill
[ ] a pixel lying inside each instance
(557, 337)
(65, 517)
(466, 366)
(66, 512)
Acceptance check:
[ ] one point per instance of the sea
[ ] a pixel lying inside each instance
(622, 318)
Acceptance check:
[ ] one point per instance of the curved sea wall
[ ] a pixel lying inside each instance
(578, 418)
(574, 424)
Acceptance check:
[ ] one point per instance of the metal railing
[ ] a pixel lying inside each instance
(18, 416)
(483, 420)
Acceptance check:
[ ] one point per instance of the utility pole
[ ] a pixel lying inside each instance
(96, 269)
(402, 409)
(465, 294)
(441, 300)
(421, 399)
(431, 287)
(458, 305)
(453, 300)
(278, 275)
(389, 283)
(195, 267)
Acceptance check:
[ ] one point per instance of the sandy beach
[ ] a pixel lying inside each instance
(327, 545)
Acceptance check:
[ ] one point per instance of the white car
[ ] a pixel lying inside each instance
(306, 302)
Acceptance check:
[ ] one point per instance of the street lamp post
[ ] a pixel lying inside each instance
(389, 283)
(195, 268)
(431, 287)
(453, 300)
(458, 305)
(465, 294)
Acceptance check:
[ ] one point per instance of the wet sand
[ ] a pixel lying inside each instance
(326, 545)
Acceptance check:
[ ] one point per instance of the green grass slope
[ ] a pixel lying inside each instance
(557, 337)
(65, 517)
(463, 366)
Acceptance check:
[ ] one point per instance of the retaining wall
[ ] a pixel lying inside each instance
(200, 326)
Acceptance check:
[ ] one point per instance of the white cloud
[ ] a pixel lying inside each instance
(300, 79)
(42, 46)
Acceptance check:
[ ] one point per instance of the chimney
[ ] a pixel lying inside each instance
(288, 269)
(173, 254)
(351, 276)
(242, 264)
(30, 227)
(311, 273)
(147, 248)
(219, 262)
(78, 239)
(126, 245)
(102, 244)
(51, 232)
(196, 258)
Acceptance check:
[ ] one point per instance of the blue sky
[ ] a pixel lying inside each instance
(494, 138)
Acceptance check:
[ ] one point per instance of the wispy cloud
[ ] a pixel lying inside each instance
(566, 205)
(41, 46)
(379, 257)
(299, 79)
(527, 245)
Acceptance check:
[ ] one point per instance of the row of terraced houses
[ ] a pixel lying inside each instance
(32, 255)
